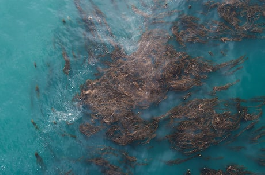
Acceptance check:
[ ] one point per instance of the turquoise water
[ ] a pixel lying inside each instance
(32, 32)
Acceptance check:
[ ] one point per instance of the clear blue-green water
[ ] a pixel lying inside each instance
(32, 32)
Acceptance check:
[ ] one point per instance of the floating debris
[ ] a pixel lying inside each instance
(34, 124)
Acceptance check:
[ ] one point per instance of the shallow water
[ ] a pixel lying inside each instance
(33, 33)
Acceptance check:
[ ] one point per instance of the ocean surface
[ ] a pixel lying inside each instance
(35, 90)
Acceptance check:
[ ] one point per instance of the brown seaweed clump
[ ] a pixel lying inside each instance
(239, 20)
(126, 163)
(230, 170)
(106, 167)
(201, 123)
(88, 129)
(139, 80)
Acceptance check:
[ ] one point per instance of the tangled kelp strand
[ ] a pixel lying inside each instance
(204, 123)
(102, 155)
(230, 170)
